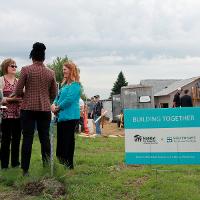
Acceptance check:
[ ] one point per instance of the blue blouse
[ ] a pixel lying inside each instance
(68, 101)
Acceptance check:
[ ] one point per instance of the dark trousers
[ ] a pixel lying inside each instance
(11, 134)
(66, 142)
(29, 120)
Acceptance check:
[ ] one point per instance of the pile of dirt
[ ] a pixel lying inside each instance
(46, 186)
(33, 188)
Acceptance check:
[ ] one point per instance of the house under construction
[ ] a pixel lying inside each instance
(164, 98)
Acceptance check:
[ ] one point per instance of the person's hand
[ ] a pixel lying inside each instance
(57, 108)
(53, 108)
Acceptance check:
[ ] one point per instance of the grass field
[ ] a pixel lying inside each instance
(100, 173)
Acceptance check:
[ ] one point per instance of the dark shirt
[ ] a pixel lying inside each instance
(177, 100)
(186, 101)
(97, 108)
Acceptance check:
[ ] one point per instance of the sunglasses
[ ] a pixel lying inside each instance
(13, 66)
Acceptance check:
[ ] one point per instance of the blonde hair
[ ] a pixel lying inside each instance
(5, 64)
(74, 73)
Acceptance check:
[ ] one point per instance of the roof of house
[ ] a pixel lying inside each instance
(174, 86)
(136, 86)
(158, 84)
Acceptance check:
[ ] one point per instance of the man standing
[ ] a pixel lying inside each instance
(186, 100)
(97, 112)
(91, 105)
(177, 99)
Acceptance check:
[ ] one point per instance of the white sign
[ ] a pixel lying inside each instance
(162, 136)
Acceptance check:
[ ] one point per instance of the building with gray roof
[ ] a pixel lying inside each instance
(164, 98)
(158, 84)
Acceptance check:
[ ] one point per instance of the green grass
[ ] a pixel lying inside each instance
(100, 173)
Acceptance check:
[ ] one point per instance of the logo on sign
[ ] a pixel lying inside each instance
(178, 139)
(145, 140)
(138, 138)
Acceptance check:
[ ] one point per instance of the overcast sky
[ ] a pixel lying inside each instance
(146, 39)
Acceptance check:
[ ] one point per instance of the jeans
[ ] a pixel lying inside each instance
(98, 128)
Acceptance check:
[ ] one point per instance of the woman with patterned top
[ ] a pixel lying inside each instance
(11, 129)
(40, 89)
(66, 107)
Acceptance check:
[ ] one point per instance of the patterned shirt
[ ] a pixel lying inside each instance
(40, 87)
(13, 108)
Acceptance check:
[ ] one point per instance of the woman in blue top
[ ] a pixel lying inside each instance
(66, 107)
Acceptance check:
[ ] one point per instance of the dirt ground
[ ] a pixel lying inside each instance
(110, 128)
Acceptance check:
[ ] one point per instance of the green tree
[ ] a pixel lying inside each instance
(120, 82)
(57, 67)
(83, 95)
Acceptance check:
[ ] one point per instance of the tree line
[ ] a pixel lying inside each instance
(57, 66)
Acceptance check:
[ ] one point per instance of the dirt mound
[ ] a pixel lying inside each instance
(46, 186)
(34, 188)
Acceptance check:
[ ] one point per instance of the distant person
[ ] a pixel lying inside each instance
(80, 122)
(40, 90)
(186, 99)
(90, 106)
(97, 112)
(66, 107)
(11, 126)
(177, 99)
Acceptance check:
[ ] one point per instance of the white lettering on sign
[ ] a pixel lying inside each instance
(147, 119)
(163, 118)
(178, 118)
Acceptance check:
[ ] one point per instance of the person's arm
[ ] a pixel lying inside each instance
(21, 83)
(54, 107)
(53, 88)
(55, 100)
(91, 114)
(69, 96)
(102, 110)
(2, 84)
